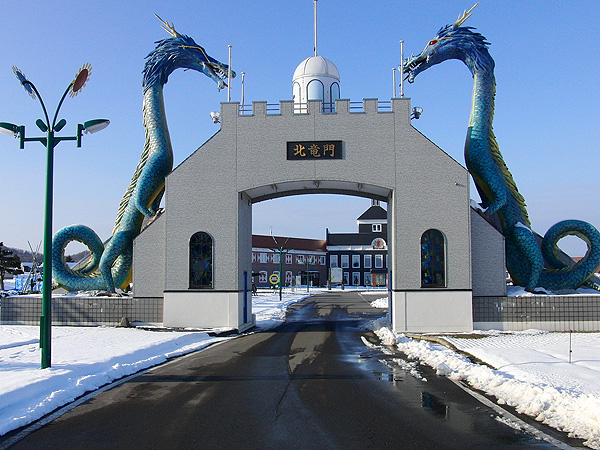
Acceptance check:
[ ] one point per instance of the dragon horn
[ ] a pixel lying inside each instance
(169, 28)
(463, 17)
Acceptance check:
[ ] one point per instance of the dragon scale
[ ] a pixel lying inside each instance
(529, 264)
(109, 266)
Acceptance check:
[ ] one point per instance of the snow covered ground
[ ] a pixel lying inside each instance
(532, 370)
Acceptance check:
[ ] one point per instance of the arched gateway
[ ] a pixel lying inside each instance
(197, 254)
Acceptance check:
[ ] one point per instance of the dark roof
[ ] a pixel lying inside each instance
(353, 238)
(374, 213)
(314, 245)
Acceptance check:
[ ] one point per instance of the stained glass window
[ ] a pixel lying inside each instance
(433, 259)
(201, 261)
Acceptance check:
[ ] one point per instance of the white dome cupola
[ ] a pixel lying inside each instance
(316, 78)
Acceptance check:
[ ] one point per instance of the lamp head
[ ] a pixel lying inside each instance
(9, 129)
(215, 116)
(416, 112)
(93, 126)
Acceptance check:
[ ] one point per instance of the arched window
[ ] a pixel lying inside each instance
(315, 90)
(334, 94)
(297, 93)
(299, 106)
(201, 261)
(433, 259)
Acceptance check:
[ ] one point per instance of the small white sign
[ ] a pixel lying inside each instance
(336, 275)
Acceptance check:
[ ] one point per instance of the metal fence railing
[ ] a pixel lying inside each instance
(326, 108)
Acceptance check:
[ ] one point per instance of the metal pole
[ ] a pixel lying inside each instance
(229, 76)
(280, 273)
(243, 74)
(394, 80)
(245, 296)
(46, 319)
(570, 345)
(315, 4)
(307, 271)
(401, 69)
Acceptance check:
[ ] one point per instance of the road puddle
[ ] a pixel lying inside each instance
(434, 404)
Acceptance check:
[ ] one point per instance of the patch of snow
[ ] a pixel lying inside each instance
(270, 311)
(519, 291)
(380, 303)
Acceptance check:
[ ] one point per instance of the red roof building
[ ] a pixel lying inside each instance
(289, 258)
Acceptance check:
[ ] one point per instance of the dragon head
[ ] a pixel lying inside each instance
(181, 51)
(452, 42)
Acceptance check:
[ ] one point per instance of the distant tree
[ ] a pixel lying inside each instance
(69, 258)
(9, 263)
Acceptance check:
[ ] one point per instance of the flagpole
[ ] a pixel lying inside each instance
(315, 4)
(401, 69)
(229, 76)
(243, 74)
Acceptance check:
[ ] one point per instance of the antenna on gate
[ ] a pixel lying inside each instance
(315, 8)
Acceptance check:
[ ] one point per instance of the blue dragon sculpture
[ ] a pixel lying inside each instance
(109, 266)
(495, 184)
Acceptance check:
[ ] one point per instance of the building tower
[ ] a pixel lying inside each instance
(316, 78)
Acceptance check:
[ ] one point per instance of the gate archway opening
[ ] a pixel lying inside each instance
(320, 240)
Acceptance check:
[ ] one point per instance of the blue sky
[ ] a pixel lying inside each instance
(546, 120)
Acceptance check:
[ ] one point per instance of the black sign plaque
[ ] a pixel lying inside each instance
(304, 150)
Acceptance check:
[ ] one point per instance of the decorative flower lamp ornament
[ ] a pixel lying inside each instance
(24, 82)
(80, 79)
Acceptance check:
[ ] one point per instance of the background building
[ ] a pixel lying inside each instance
(362, 256)
(298, 257)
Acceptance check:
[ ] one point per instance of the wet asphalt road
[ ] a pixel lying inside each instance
(309, 384)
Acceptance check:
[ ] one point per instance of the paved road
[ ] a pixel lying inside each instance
(309, 384)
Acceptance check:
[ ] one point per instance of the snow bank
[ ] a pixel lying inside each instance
(569, 410)
(84, 359)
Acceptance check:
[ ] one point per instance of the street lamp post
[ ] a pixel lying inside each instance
(309, 261)
(50, 141)
(282, 251)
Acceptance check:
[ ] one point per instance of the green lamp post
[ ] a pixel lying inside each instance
(282, 251)
(50, 141)
(309, 260)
